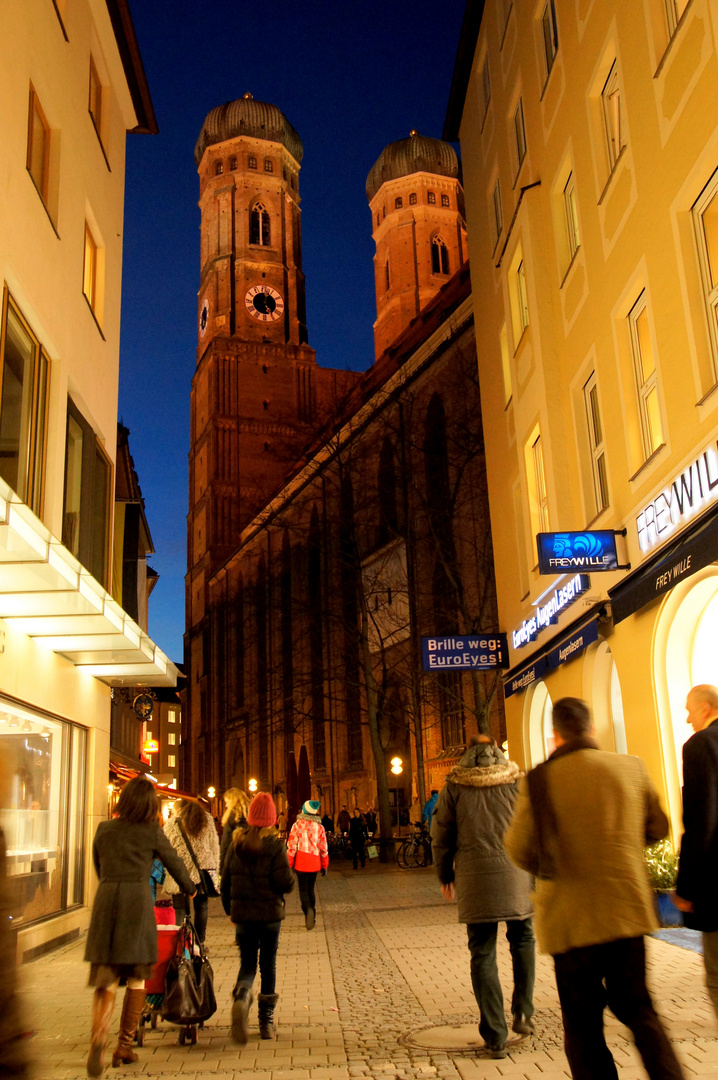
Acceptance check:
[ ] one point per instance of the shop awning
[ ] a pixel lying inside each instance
(46, 594)
(693, 549)
(122, 772)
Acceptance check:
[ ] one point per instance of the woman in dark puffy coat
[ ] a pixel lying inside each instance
(122, 939)
(255, 878)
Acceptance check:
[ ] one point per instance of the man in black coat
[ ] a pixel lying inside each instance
(697, 884)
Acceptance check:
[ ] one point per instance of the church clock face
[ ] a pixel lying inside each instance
(264, 303)
(204, 317)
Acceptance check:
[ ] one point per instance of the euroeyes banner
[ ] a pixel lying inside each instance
(577, 552)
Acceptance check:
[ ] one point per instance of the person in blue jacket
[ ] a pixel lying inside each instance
(428, 812)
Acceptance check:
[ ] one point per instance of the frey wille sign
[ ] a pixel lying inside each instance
(590, 552)
(692, 490)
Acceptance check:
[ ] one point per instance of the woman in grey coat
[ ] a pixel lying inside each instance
(122, 939)
(472, 814)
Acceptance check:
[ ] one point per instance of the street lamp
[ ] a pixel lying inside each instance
(397, 766)
(211, 792)
(252, 785)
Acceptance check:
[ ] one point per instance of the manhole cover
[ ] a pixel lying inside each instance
(458, 1038)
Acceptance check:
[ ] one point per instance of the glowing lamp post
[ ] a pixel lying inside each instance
(252, 785)
(397, 766)
(211, 792)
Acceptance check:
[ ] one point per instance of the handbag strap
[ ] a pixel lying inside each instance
(189, 847)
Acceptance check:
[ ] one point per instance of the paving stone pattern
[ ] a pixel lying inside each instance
(387, 958)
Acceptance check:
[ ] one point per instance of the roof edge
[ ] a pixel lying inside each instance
(468, 36)
(129, 49)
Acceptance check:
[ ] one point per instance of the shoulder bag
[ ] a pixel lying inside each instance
(206, 885)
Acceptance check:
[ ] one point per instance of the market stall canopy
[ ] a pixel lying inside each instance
(48, 595)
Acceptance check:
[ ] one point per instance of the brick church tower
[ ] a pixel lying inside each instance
(258, 394)
(417, 206)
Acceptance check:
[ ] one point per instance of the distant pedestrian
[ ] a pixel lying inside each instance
(697, 884)
(255, 879)
(282, 823)
(467, 832)
(194, 837)
(236, 805)
(343, 820)
(370, 819)
(357, 839)
(328, 824)
(122, 939)
(581, 825)
(308, 855)
(428, 811)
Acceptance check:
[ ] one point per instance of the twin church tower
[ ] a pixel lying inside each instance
(258, 396)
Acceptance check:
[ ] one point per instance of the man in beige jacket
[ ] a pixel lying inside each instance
(581, 823)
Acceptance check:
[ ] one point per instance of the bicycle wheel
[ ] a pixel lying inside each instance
(401, 855)
(413, 854)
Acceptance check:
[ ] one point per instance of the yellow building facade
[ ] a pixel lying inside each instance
(71, 87)
(590, 156)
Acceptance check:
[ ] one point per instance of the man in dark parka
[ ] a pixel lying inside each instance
(471, 816)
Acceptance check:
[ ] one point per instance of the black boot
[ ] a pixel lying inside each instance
(265, 1007)
(240, 1014)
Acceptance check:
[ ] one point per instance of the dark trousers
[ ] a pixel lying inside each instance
(485, 975)
(258, 940)
(612, 974)
(358, 852)
(180, 902)
(305, 880)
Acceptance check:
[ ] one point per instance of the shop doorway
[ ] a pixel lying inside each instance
(538, 724)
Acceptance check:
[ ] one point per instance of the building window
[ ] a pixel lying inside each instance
(218, 169)
(95, 99)
(595, 441)
(171, 738)
(613, 116)
(90, 271)
(540, 492)
(378, 220)
(705, 220)
(549, 34)
(444, 200)
(485, 86)
(38, 146)
(387, 277)
(498, 211)
(571, 210)
(251, 162)
(439, 256)
(171, 761)
(674, 13)
(268, 166)
(505, 364)
(412, 199)
(259, 226)
(520, 133)
(23, 407)
(171, 716)
(398, 202)
(430, 198)
(644, 365)
(88, 490)
(233, 164)
(522, 296)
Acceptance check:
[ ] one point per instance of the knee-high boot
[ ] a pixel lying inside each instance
(131, 1012)
(103, 1002)
(265, 1008)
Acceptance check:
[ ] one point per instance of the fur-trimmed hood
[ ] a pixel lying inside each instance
(478, 777)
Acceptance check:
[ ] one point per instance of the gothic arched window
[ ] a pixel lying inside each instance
(387, 278)
(388, 515)
(439, 256)
(259, 226)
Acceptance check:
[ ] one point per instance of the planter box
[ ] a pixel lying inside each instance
(668, 913)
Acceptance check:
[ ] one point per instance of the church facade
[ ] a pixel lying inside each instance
(335, 518)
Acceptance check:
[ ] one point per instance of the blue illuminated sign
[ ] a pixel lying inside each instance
(548, 612)
(472, 652)
(525, 678)
(590, 552)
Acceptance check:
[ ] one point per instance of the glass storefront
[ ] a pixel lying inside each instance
(43, 761)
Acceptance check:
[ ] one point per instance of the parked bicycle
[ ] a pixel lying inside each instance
(415, 851)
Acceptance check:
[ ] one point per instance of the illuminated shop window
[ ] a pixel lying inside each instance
(644, 365)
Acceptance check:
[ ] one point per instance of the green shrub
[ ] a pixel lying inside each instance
(662, 865)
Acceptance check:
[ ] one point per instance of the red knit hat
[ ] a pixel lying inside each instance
(262, 811)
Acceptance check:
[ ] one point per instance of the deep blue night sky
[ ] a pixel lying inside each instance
(351, 78)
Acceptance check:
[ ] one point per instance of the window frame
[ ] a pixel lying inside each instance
(35, 106)
(672, 17)
(520, 134)
(251, 161)
(89, 285)
(95, 98)
(645, 386)
(485, 75)
(268, 165)
(570, 208)
(708, 198)
(412, 198)
(522, 297)
(96, 561)
(431, 198)
(596, 443)
(498, 210)
(549, 36)
(612, 113)
(398, 203)
(541, 492)
(439, 256)
(264, 228)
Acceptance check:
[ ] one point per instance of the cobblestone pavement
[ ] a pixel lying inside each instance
(386, 959)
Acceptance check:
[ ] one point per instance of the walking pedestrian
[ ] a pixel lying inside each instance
(193, 836)
(236, 805)
(343, 820)
(255, 878)
(122, 939)
(357, 839)
(581, 825)
(471, 816)
(308, 855)
(697, 884)
(428, 811)
(370, 819)
(328, 824)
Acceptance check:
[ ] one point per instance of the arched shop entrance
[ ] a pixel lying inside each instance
(538, 724)
(685, 654)
(602, 690)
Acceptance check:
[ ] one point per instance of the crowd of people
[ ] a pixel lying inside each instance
(559, 853)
